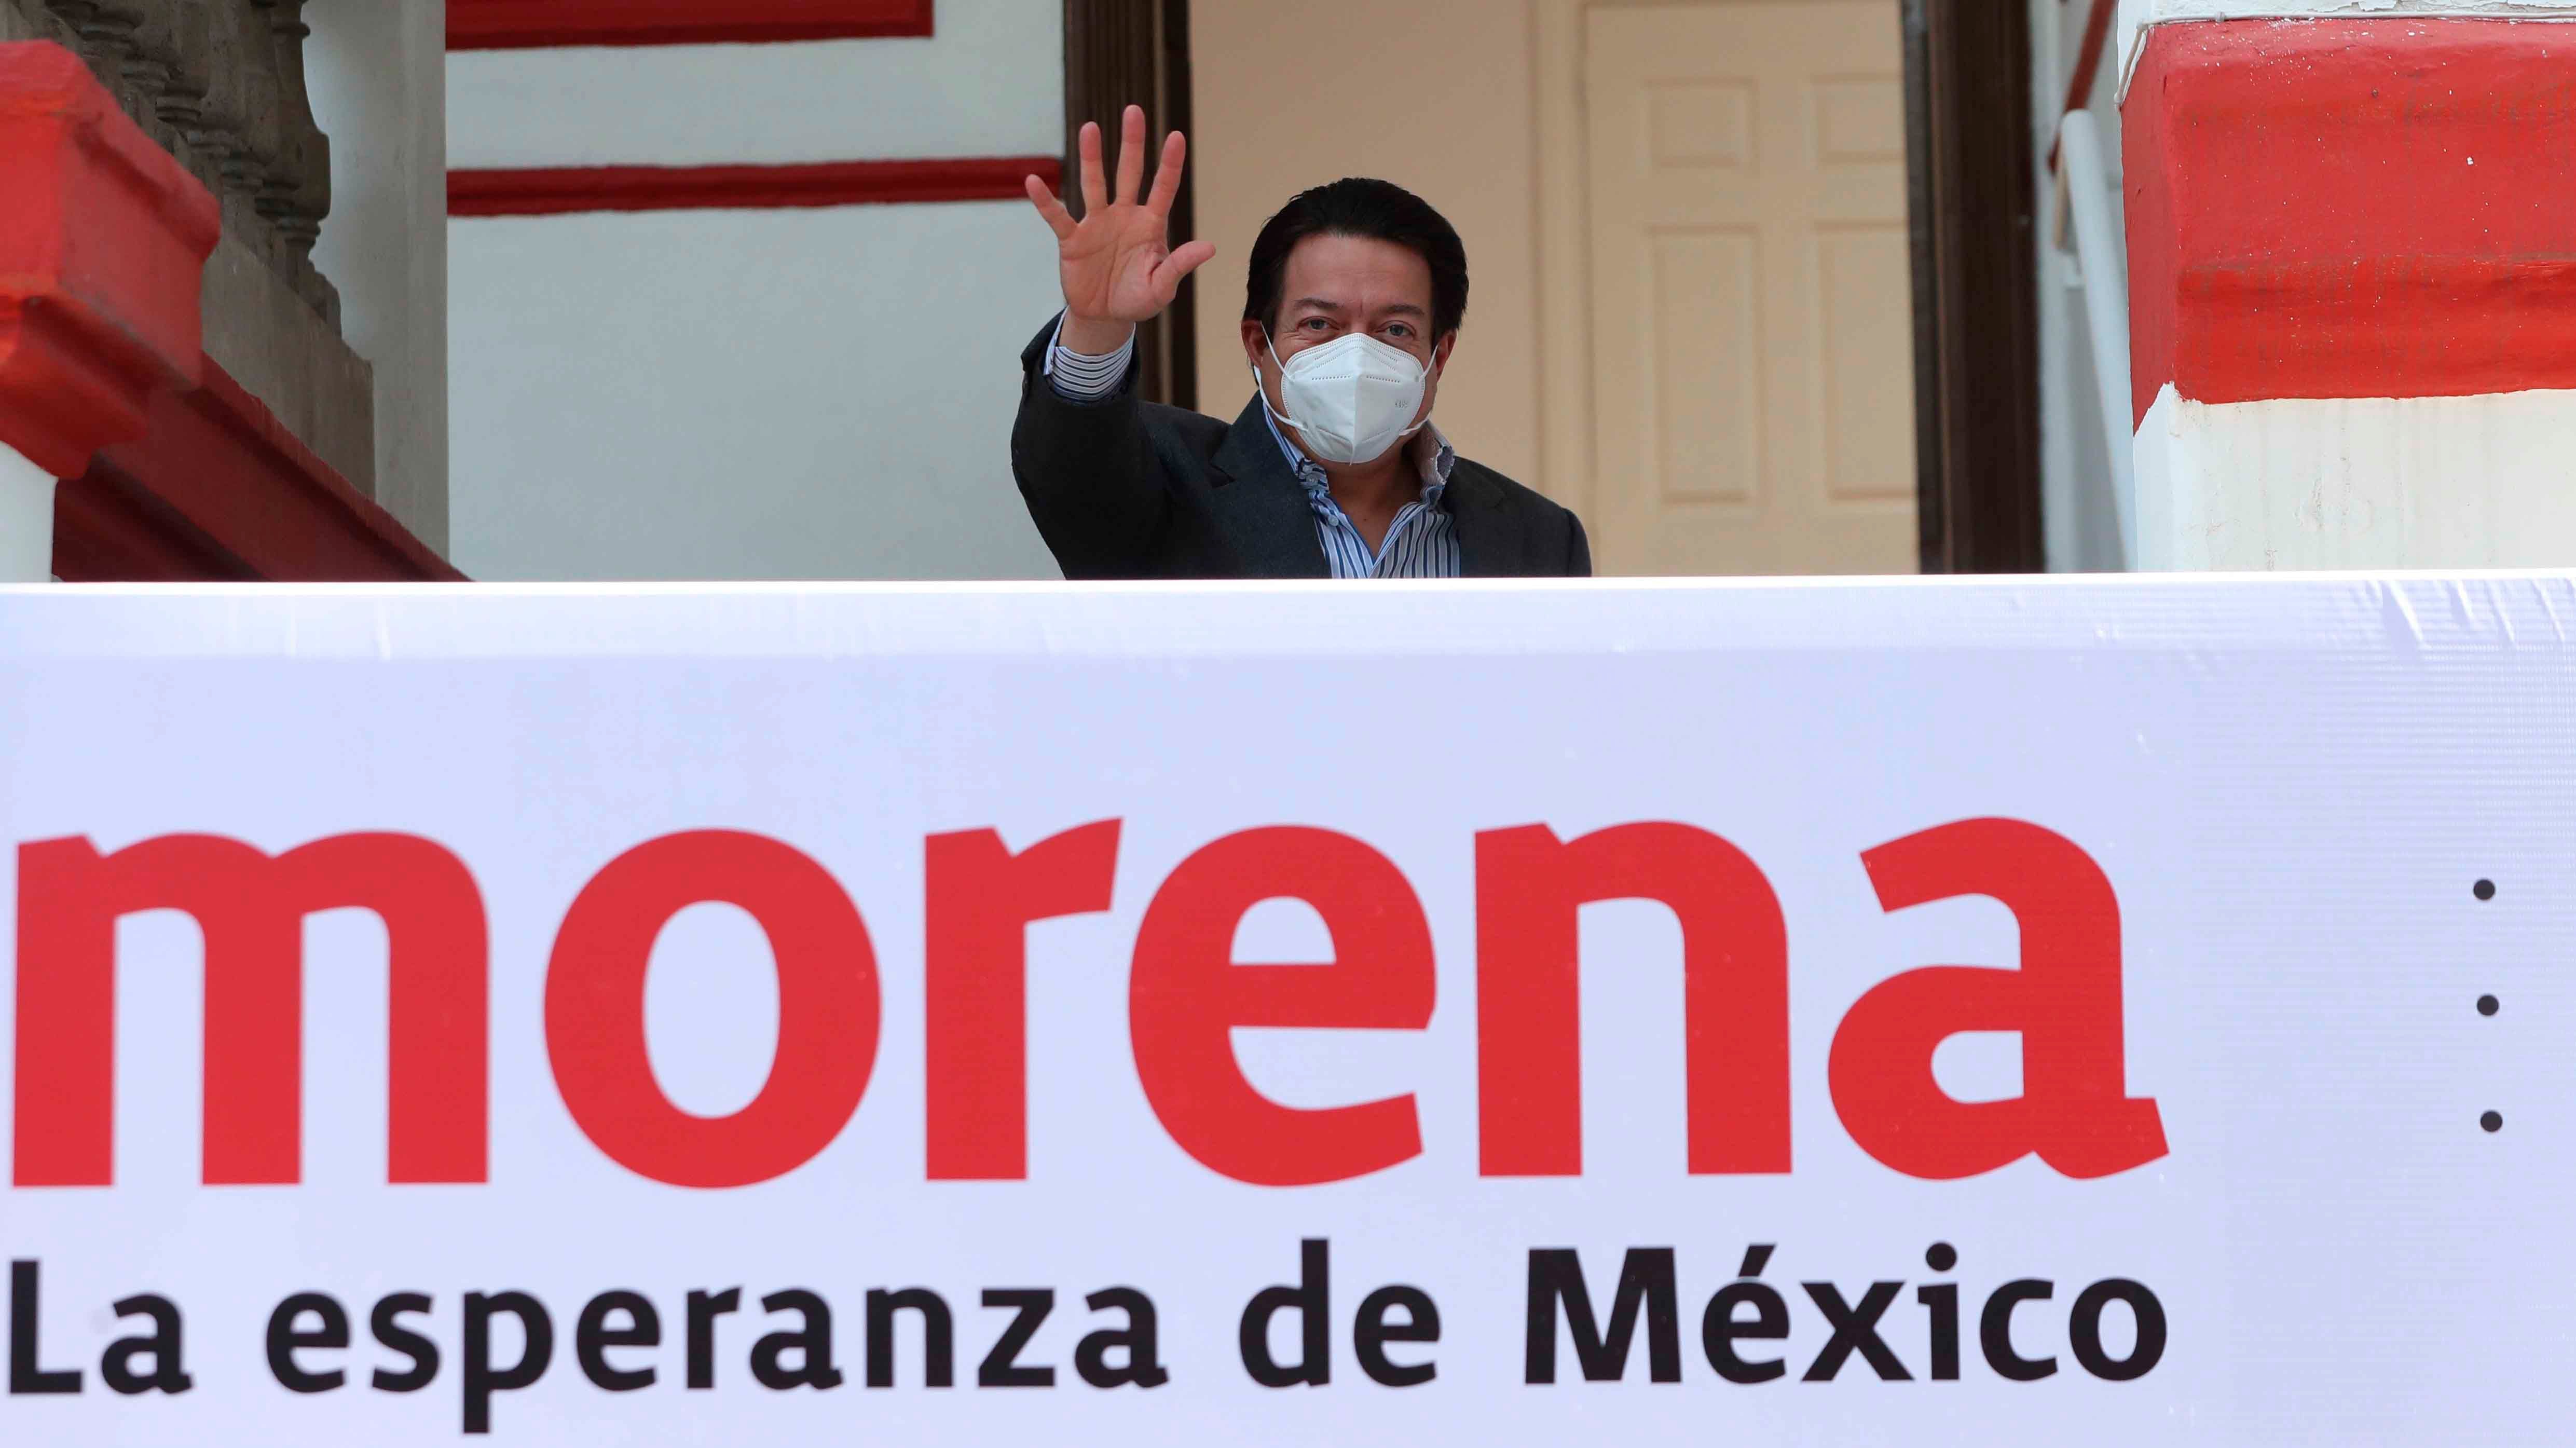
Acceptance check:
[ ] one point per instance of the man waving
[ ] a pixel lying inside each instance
(1355, 295)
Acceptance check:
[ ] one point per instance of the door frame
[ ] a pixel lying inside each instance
(1117, 53)
(1971, 216)
(1974, 217)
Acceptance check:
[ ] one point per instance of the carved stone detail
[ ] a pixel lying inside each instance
(220, 84)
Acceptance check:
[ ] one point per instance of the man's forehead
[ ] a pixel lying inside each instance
(1347, 271)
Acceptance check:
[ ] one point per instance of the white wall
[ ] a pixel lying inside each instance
(752, 394)
(376, 72)
(746, 394)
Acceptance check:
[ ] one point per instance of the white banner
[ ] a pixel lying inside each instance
(2112, 1012)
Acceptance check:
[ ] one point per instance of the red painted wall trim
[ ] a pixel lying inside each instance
(524, 24)
(102, 240)
(220, 490)
(2351, 208)
(557, 191)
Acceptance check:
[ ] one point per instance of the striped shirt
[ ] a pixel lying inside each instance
(1422, 542)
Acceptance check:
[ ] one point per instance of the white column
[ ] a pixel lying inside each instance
(26, 519)
(377, 70)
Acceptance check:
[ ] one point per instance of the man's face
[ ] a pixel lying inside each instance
(1336, 285)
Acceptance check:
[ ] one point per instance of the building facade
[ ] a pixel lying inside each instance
(578, 290)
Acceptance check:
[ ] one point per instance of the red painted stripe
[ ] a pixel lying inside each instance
(524, 24)
(554, 192)
(2351, 208)
(218, 489)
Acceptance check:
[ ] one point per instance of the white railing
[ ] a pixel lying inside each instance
(2084, 205)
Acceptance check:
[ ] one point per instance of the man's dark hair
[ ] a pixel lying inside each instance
(1379, 210)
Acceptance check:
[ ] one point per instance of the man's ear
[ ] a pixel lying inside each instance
(1440, 354)
(1256, 343)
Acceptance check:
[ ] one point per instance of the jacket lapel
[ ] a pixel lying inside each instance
(1489, 538)
(1260, 506)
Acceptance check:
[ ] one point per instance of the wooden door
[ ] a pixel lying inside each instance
(1752, 343)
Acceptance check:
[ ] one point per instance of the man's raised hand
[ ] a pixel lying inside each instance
(1118, 264)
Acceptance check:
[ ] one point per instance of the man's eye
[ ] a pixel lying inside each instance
(1314, 324)
(1399, 329)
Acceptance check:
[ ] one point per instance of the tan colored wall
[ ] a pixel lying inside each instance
(1434, 95)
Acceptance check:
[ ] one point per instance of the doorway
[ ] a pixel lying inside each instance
(1753, 284)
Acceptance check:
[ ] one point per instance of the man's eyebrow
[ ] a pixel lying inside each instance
(1320, 304)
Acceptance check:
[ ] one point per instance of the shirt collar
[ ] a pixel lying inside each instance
(1430, 450)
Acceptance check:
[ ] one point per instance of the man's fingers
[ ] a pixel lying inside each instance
(1167, 181)
(1058, 220)
(1131, 154)
(1178, 266)
(1095, 181)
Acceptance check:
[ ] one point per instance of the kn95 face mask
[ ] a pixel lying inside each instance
(1351, 399)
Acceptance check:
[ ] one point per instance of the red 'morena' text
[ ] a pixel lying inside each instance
(1186, 995)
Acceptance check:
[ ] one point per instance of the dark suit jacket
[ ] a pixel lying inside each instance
(1129, 489)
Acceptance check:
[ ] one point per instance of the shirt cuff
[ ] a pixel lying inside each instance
(1081, 377)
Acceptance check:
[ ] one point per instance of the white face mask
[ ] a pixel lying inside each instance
(1351, 399)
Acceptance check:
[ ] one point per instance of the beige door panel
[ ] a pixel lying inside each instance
(1751, 343)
